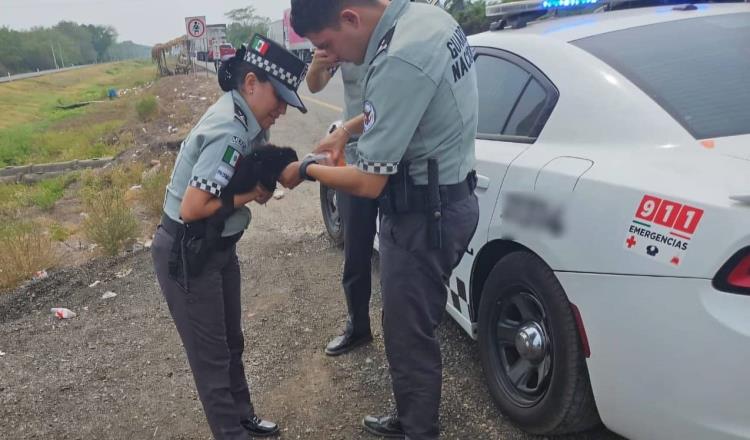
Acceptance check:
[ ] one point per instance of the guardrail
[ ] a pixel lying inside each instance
(35, 173)
(21, 76)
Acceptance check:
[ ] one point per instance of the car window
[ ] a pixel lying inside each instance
(523, 121)
(500, 84)
(697, 69)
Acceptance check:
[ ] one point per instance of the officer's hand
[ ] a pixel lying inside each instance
(262, 194)
(333, 144)
(290, 178)
(324, 59)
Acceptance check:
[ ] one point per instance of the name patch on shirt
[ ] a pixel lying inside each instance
(461, 53)
(231, 156)
(224, 175)
(369, 112)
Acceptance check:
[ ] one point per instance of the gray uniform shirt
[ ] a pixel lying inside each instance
(420, 95)
(352, 75)
(208, 156)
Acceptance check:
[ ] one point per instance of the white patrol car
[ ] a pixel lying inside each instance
(609, 277)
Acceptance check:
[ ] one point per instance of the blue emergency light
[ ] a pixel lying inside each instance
(505, 8)
(559, 4)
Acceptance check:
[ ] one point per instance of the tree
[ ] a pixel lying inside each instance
(244, 16)
(102, 37)
(470, 15)
(73, 43)
(455, 6)
(244, 24)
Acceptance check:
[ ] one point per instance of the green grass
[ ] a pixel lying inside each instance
(39, 143)
(25, 250)
(58, 232)
(44, 194)
(33, 129)
(47, 192)
(154, 185)
(146, 108)
(110, 222)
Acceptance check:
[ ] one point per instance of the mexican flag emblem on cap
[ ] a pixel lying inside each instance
(260, 45)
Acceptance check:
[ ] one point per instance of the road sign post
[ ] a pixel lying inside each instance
(195, 28)
(206, 41)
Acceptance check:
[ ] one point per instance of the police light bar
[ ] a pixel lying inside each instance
(501, 8)
(556, 4)
(496, 8)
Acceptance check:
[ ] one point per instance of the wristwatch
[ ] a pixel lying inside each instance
(306, 161)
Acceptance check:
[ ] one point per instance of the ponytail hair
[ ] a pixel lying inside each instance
(233, 70)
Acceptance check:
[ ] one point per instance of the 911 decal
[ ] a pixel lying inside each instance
(662, 229)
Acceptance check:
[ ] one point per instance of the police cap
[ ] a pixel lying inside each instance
(285, 71)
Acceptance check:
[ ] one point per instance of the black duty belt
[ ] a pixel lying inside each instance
(416, 197)
(176, 229)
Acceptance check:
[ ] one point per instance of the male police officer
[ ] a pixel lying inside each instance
(416, 155)
(358, 214)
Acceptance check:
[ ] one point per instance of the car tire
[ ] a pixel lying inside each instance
(531, 351)
(331, 215)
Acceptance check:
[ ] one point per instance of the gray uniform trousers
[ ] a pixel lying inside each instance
(208, 322)
(359, 216)
(413, 280)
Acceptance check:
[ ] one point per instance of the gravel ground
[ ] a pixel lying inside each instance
(118, 371)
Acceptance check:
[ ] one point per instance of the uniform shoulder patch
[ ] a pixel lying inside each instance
(385, 42)
(240, 115)
(231, 156)
(370, 115)
(236, 140)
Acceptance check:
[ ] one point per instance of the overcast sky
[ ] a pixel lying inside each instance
(143, 21)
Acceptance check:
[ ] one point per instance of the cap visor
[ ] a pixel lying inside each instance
(291, 98)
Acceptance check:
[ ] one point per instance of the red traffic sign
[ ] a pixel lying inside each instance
(195, 26)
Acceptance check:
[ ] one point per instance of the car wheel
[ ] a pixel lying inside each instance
(531, 351)
(331, 214)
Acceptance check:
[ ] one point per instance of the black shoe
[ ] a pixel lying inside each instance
(260, 428)
(346, 343)
(384, 426)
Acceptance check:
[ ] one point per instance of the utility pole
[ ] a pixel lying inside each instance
(53, 56)
(62, 61)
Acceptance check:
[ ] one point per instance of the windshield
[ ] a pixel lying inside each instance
(697, 69)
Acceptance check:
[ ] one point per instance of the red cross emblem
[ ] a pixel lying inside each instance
(675, 261)
(631, 241)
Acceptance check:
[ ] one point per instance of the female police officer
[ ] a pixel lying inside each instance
(203, 293)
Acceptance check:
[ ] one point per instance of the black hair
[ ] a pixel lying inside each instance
(315, 15)
(232, 71)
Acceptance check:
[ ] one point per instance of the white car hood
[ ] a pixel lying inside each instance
(733, 146)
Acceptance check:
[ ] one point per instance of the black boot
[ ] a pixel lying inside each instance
(384, 426)
(260, 428)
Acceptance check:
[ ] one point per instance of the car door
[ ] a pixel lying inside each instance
(515, 100)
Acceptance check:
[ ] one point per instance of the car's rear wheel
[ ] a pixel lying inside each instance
(531, 350)
(331, 214)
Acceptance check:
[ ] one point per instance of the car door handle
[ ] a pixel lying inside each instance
(483, 181)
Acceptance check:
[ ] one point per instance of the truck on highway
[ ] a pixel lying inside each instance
(216, 36)
(281, 31)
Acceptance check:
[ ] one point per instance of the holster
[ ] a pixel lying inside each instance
(434, 205)
(192, 247)
(402, 196)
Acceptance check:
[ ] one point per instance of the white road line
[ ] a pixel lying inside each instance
(321, 103)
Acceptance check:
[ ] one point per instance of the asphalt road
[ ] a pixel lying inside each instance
(34, 74)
